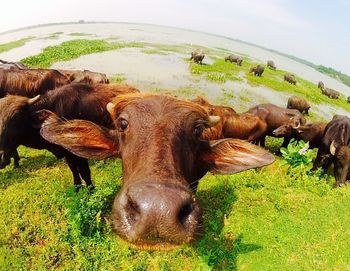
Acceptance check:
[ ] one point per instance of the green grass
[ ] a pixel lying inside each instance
(4, 47)
(117, 78)
(79, 34)
(275, 218)
(73, 49)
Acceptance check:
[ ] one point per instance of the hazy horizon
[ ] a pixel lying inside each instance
(315, 30)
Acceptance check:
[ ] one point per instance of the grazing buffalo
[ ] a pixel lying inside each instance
(320, 85)
(197, 56)
(19, 122)
(331, 93)
(257, 70)
(335, 148)
(300, 104)
(311, 132)
(290, 78)
(271, 64)
(30, 83)
(348, 99)
(158, 138)
(276, 116)
(234, 59)
(85, 76)
(232, 125)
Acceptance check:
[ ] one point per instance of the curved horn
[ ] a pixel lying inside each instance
(213, 120)
(34, 99)
(332, 148)
(297, 126)
(110, 108)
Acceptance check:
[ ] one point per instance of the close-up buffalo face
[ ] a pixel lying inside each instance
(158, 138)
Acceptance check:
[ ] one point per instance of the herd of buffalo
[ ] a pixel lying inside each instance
(166, 144)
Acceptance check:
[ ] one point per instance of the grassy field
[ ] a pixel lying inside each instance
(274, 218)
(4, 47)
(269, 219)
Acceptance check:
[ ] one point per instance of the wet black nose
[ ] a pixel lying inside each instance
(156, 212)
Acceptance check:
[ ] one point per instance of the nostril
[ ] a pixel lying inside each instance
(132, 210)
(184, 212)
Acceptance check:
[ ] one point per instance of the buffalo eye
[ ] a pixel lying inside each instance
(198, 130)
(123, 124)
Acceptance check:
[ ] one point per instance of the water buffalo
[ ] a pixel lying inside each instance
(158, 138)
(232, 125)
(311, 132)
(30, 83)
(85, 76)
(320, 85)
(335, 148)
(257, 70)
(295, 102)
(348, 99)
(271, 64)
(197, 56)
(19, 122)
(276, 116)
(234, 59)
(331, 93)
(290, 78)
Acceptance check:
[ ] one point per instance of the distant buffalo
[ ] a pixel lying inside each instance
(290, 79)
(257, 70)
(85, 76)
(331, 93)
(197, 56)
(295, 102)
(271, 64)
(348, 99)
(234, 59)
(320, 85)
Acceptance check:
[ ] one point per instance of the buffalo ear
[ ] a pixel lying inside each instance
(83, 138)
(229, 156)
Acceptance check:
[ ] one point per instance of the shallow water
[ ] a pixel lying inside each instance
(163, 35)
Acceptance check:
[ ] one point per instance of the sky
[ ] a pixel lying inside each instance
(318, 31)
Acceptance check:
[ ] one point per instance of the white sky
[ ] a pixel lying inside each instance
(316, 30)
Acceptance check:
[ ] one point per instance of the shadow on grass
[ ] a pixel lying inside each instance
(217, 248)
(28, 165)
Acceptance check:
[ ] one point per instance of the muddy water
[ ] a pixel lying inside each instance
(164, 35)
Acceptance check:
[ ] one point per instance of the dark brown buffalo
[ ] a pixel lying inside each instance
(197, 56)
(335, 148)
(311, 132)
(234, 59)
(257, 70)
(298, 103)
(271, 64)
(276, 116)
(232, 125)
(12, 65)
(19, 121)
(290, 78)
(320, 85)
(348, 99)
(30, 83)
(331, 93)
(158, 138)
(85, 76)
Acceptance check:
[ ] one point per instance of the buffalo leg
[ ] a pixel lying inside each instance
(72, 163)
(15, 158)
(5, 159)
(85, 172)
